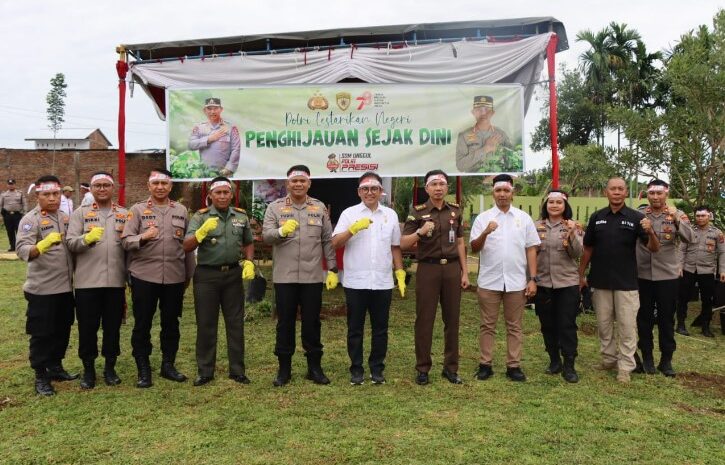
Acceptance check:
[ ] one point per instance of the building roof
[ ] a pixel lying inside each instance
(69, 134)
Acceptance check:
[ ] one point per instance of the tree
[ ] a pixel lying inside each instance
(586, 169)
(56, 107)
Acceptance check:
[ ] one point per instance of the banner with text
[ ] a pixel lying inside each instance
(344, 130)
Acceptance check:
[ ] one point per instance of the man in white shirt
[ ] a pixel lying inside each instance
(66, 200)
(370, 233)
(87, 196)
(507, 240)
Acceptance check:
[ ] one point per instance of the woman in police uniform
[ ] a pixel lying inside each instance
(557, 298)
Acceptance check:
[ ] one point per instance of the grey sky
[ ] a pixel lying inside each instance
(78, 38)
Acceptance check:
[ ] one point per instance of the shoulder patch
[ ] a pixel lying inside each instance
(240, 210)
(454, 204)
(202, 210)
(419, 207)
(410, 218)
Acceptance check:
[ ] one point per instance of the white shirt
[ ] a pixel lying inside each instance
(87, 200)
(368, 259)
(66, 205)
(502, 264)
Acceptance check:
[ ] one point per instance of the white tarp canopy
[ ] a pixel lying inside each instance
(470, 62)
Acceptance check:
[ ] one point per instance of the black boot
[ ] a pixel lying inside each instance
(682, 329)
(314, 369)
(110, 377)
(144, 372)
(637, 364)
(554, 364)
(648, 363)
(284, 374)
(58, 373)
(42, 384)
(665, 366)
(706, 329)
(88, 381)
(569, 373)
(169, 371)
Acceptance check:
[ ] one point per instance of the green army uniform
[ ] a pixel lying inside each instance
(218, 282)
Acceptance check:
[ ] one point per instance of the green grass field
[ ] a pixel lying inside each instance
(654, 420)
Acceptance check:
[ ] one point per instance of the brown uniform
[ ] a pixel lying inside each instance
(48, 288)
(438, 277)
(672, 230)
(557, 255)
(100, 278)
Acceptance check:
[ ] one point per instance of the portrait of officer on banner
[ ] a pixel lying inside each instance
(217, 140)
(484, 147)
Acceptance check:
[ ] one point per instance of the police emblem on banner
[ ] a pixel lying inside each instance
(333, 163)
(343, 100)
(317, 102)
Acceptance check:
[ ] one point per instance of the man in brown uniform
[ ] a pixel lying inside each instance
(657, 277)
(94, 237)
(160, 271)
(300, 231)
(700, 264)
(13, 204)
(442, 272)
(48, 285)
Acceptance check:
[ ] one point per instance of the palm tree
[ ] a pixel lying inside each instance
(595, 63)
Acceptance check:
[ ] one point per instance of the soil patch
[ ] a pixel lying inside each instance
(588, 328)
(703, 382)
(333, 311)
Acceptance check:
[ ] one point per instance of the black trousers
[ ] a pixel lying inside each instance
(359, 303)
(213, 289)
(661, 295)
(95, 308)
(145, 297)
(706, 284)
(557, 310)
(12, 220)
(288, 296)
(49, 319)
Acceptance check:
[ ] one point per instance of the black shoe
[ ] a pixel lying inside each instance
(88, 380)
(168, 371)
(377, 378)
(241, 379)
(648, 364)
(682, 329)
(357, 379)
(484, 372)
(554, 367)
(202, 380)
(568, 372)
(317, 376)
(665, 367)
(43, 386)
(421, 379)
(282, 378)
(452, 378)
(11, 250)
(58, 373)
(706, 330)
(637, 364)
(144, 373)
(515, 374)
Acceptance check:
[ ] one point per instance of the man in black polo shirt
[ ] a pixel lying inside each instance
(610, 243)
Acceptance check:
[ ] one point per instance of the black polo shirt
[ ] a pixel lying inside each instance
(613, 238)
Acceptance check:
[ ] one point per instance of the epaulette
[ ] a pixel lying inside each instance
(240, 210)
(202, 210)
(454, 204)
(420, 207)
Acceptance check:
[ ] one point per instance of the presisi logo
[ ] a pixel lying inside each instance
(332, 163)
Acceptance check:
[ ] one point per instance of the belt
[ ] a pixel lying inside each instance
(231, 266)
(439, 261)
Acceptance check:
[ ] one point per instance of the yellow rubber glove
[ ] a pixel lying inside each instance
(359, 225)
(247, 270)
(400, 276)
(288, 228)
(50, 240)
(331, 282)
(94, 235)
(209, 225)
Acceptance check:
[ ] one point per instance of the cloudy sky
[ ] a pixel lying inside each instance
(78, 38)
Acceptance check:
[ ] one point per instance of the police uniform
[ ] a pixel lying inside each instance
(438, 277)
(99, 280)
(297, 272)
(13, 204)
(470, 156)
(220, 154)
(657, 277)
(159, 269)
(48, 289)
(703, 260)
(218, 282)
(557, 295)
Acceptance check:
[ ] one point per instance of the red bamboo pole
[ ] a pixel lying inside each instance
(553, 123)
